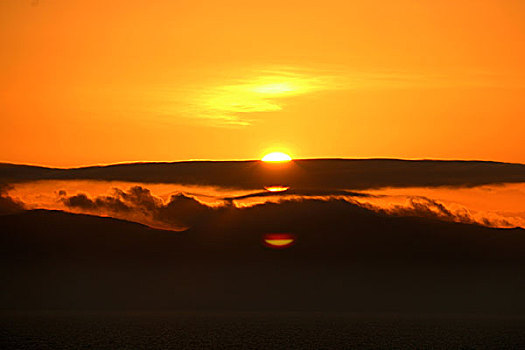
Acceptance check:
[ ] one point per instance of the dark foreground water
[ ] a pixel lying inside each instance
(88, 330)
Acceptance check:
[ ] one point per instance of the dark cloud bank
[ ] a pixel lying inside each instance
(138, 204)
(314, 173)
(8, 205)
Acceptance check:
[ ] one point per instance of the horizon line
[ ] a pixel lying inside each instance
(250, 160)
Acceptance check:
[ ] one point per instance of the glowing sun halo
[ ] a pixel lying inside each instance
(276, 157)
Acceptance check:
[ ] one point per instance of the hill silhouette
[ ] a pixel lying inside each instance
(306, 173)
(345, 258)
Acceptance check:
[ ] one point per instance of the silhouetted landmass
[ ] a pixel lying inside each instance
(345, 258)
(308, 173)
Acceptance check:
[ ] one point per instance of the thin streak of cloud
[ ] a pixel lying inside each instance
(233, 103)
(299, 193)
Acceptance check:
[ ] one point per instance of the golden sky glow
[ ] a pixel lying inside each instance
(89, 82)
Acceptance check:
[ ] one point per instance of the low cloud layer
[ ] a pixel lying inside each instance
(182, 211)
(138, 204)
(432, 209)
(8, 205)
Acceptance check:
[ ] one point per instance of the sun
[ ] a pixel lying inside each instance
(276, 188)
(276, 157)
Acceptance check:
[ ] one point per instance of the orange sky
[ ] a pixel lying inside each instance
(86, 82)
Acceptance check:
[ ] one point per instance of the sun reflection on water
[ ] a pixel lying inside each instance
(278, 240)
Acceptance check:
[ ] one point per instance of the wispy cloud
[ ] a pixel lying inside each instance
(235, 98)
(234, 101)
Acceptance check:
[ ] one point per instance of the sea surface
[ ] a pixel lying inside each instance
(257, 330)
